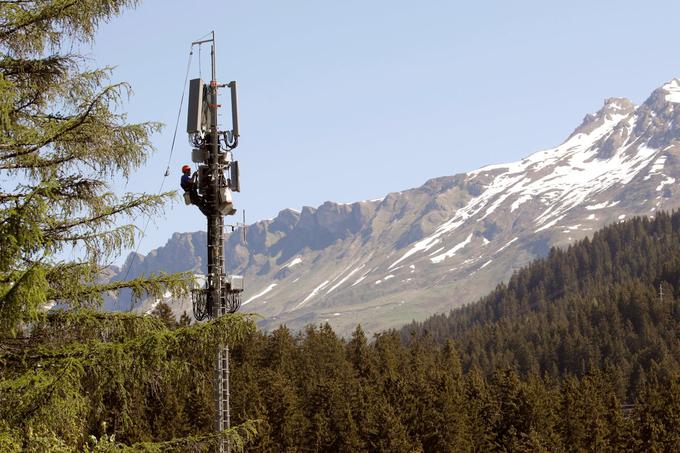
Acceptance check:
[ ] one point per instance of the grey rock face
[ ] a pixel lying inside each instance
(384, 262)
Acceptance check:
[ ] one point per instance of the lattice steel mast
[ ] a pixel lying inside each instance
(210, 191)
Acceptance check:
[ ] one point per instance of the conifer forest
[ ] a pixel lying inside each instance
(578, 351)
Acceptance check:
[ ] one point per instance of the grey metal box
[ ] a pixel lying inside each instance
(235, 282)
(199, 156)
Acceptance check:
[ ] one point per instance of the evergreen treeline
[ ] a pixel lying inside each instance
(317, 392)
(606, 303)
(577, 352)
(583, 357)
(129, 383)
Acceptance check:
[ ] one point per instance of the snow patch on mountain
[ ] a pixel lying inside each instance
(345, 278)
(550, 224)
(294, 262)
(519, 202)
(603, 205)
(166, 296)
(672, 89)
(452, 251)
(573, 172)
(434, 239)
(596, 176)
(360, 279)
(507, 245)
(666, 182)
(314, 292)
(485, 264)
(260, 294)
(657, 166)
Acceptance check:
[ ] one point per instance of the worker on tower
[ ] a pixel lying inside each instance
(190, 186)
(186, 182)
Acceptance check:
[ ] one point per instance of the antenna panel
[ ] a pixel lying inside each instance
(198, 113)
(235, 177)
(234, 109)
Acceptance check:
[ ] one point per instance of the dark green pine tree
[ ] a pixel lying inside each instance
(184, 320)
(163, 312)
(329, 390)
(656, 416)
(63, 140)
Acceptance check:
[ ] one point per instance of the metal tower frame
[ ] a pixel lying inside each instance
(221, 293)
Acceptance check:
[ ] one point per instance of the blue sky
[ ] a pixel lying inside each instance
(351, 100)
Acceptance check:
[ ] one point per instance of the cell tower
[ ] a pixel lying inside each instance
(210, 190)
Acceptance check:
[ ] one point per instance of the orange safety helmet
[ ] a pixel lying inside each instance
(186, 169)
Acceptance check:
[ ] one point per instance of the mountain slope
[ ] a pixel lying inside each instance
(413, 253)
(609, 301)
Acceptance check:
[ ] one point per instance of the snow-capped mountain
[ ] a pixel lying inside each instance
(384, 262)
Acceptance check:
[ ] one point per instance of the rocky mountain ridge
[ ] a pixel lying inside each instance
(413, 253)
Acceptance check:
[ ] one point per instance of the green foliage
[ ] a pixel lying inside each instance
(62, 141)
(594, 306)
(237, 438)
(124, 379)
(550, 361)
(78, 379)
(101, 382)
(163, 312)
(318, 392)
